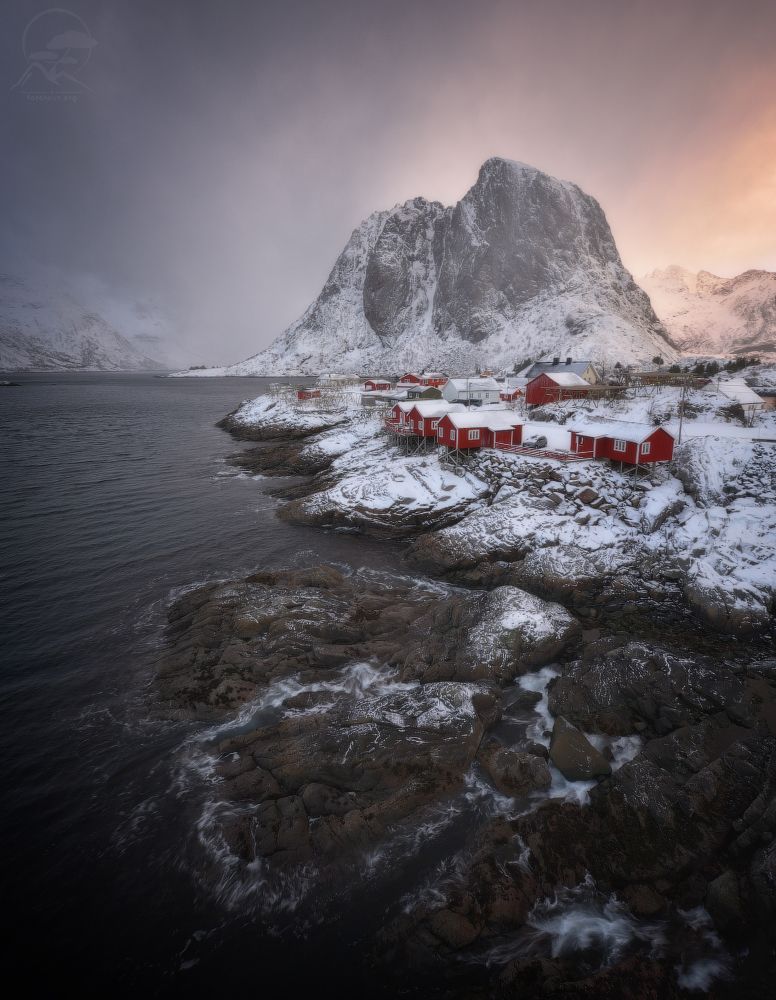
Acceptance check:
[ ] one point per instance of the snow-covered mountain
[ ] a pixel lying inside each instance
(46, 327)
(524, 265)
(709, 315)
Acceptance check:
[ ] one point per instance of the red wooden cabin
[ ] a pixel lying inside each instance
(478, 430)
(425, 415)
(435, 379)
(634, 444)
(409, 378)
(376, 385)
(308, 393)
(551, 388)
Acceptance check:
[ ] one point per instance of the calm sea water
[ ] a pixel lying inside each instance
(114, 494)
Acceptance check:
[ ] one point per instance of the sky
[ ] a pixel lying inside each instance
(214, 157)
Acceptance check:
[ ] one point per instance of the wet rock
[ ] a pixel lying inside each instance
(723, 901)
(574, 756)
(728, 609)
(644, 901)
(687, 800)
(612, 691)
(513, 772)
(285, 459)
(355, 769)
(454, 929)
(228, 641)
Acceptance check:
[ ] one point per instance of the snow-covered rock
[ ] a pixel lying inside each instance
(524, 265)
(267, 417)
(709, 315)
(517, 627)
(381, 491)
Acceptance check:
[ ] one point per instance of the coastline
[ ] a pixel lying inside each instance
(582, 683)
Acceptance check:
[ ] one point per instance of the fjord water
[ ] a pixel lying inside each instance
(115, 493)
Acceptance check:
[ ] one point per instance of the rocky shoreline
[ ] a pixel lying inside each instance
(601, 765)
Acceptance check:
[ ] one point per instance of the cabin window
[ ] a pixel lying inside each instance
(452, 435)
(474, 435)
(420, 425)
(619, 444)
(434, 424)
(646, 447)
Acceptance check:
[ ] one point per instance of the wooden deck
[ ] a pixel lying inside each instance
(558, 456)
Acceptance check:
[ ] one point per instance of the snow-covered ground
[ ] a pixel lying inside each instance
(376, 484)
(707, 521)
(707, 411)
(284, 413)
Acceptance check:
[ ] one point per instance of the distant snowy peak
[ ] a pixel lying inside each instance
(522, 266)
(45, 327)
(707, 314)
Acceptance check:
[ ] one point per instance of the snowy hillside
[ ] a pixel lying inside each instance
(523, 266)
(45, 327)
(710, 315)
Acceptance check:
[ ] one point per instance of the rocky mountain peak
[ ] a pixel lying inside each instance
(522, 266)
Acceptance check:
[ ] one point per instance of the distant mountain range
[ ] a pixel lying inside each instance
(524, 265)
(45, 327)
(709, 315)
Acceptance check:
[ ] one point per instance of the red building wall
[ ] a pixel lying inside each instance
(463, 438)
(543, 390)
(661, 448)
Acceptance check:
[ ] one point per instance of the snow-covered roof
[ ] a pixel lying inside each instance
(578, 367)
(495, 420)
(621, 429)
(566, 378)
(464, 384)
(736, 389)
(437, 407)
(516, 381)
(433, 375)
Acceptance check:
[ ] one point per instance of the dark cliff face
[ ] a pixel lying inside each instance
(517, 234)
(399, 278)
(523, 265)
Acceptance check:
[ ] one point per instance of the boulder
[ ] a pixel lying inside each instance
(574, 756)
(615, 690)
(513, 772)
(723, 901)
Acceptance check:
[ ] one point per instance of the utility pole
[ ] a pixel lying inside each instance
(681, 406)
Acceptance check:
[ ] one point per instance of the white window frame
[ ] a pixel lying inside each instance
(452, 434)
(434, 424)
(620, 445)
(474, 434)
(646, 447)
(420, 425)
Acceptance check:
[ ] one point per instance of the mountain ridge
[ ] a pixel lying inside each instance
(522, 266)
(45, 327)
(707, 314)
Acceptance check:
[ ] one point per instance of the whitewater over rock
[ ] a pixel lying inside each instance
(522, 266)
(706, 314)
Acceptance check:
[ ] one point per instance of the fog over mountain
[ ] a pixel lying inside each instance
(50, 324)
(707, 314)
